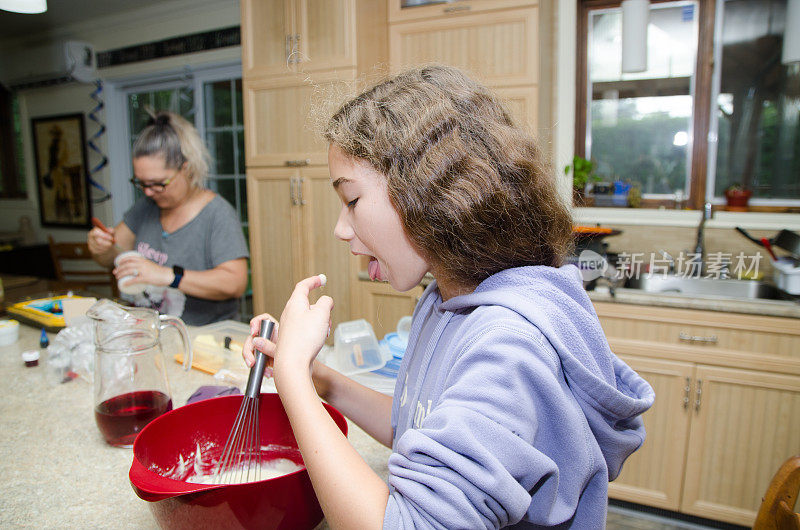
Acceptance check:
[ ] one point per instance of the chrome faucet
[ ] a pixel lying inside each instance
(700, 246)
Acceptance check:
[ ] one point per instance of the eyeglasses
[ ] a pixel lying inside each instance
(157, 187)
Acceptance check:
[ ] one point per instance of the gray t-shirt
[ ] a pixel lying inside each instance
(213, 237)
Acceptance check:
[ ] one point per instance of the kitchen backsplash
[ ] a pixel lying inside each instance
(647, 240)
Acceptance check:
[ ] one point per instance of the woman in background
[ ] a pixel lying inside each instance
(192, 253)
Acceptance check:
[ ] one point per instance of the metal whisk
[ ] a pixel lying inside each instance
(241, 459)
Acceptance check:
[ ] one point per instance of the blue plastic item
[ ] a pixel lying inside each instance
(395, 344)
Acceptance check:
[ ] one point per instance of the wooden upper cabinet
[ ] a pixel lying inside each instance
(403, 10)
(287, 36)
(325, 34)
(500, 47)
(286, 115)
(522, 103)
(267, 27)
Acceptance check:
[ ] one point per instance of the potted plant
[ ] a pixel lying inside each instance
(582, 174)
(737, 196)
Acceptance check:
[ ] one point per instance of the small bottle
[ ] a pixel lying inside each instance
(43, 340)
(31, 358)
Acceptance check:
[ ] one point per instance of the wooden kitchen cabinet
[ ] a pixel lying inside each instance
(745, 425)
(654, 474)
(381, 305)
(727, 402)
(522, 103)
(282, 115)
(292, 215)
(300, 59)
(449, 8)
(500, 47)
(282, 36)
(496, 41)
(288, 94)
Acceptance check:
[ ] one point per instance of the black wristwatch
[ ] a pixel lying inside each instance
(178, 271)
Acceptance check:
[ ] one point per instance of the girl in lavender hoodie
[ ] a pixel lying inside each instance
(510, 409)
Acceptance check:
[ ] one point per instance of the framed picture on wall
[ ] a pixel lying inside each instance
(59, 147)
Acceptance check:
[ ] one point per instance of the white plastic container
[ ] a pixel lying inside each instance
(123, 283)
(787, 275)
(355, 349)
(9, 332)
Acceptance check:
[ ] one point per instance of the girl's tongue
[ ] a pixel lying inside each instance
(374, 269)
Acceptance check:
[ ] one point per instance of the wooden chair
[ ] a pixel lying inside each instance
(81, 273)
(777, 508)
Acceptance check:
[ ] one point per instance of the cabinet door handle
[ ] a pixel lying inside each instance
(297, 163)
(686, 390)
(292, 192)
(694, 338)
(288, 48)
(297, 48)
(699, 395)
(300, 187)
(456, 9)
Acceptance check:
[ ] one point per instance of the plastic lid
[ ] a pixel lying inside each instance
(396, 345)
(8, 325)
(30, 355)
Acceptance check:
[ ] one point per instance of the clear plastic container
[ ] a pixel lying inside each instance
(403, 329)
(219, 345)
(355, 349)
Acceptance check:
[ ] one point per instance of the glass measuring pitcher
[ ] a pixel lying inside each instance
(130, 378)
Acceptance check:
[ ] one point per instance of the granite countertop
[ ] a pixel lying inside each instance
(57, 470)
(775, 308)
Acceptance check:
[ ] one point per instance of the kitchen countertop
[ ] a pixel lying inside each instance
(775, 308)
(57, 469)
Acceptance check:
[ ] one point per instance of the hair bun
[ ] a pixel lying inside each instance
(161, 119)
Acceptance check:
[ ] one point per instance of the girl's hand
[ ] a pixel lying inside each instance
(144, 271)
(100, 241)
(304, 328)
(254, 342)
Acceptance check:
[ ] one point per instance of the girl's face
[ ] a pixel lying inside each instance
(370, 224)
(151, 172)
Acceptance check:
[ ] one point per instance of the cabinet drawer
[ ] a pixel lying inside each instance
(728, 339)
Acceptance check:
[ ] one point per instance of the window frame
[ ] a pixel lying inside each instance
(699, 175)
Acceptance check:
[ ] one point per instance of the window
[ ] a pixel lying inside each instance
(757, 105)
(223, 130)
(659, 129)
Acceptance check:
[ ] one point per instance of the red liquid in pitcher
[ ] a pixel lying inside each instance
(121, 418)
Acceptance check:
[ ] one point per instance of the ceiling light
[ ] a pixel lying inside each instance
(24, 6)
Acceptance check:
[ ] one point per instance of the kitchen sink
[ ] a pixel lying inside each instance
(661, 283)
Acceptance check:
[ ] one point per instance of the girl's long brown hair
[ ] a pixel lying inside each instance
(473, 191)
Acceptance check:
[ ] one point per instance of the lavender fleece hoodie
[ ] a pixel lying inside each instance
(510, 408)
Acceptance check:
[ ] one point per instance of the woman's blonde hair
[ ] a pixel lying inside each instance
(178, 142)
(473, 191)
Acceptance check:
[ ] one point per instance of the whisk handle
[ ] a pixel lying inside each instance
(253, 388)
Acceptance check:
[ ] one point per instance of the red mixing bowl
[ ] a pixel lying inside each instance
(287, 501)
